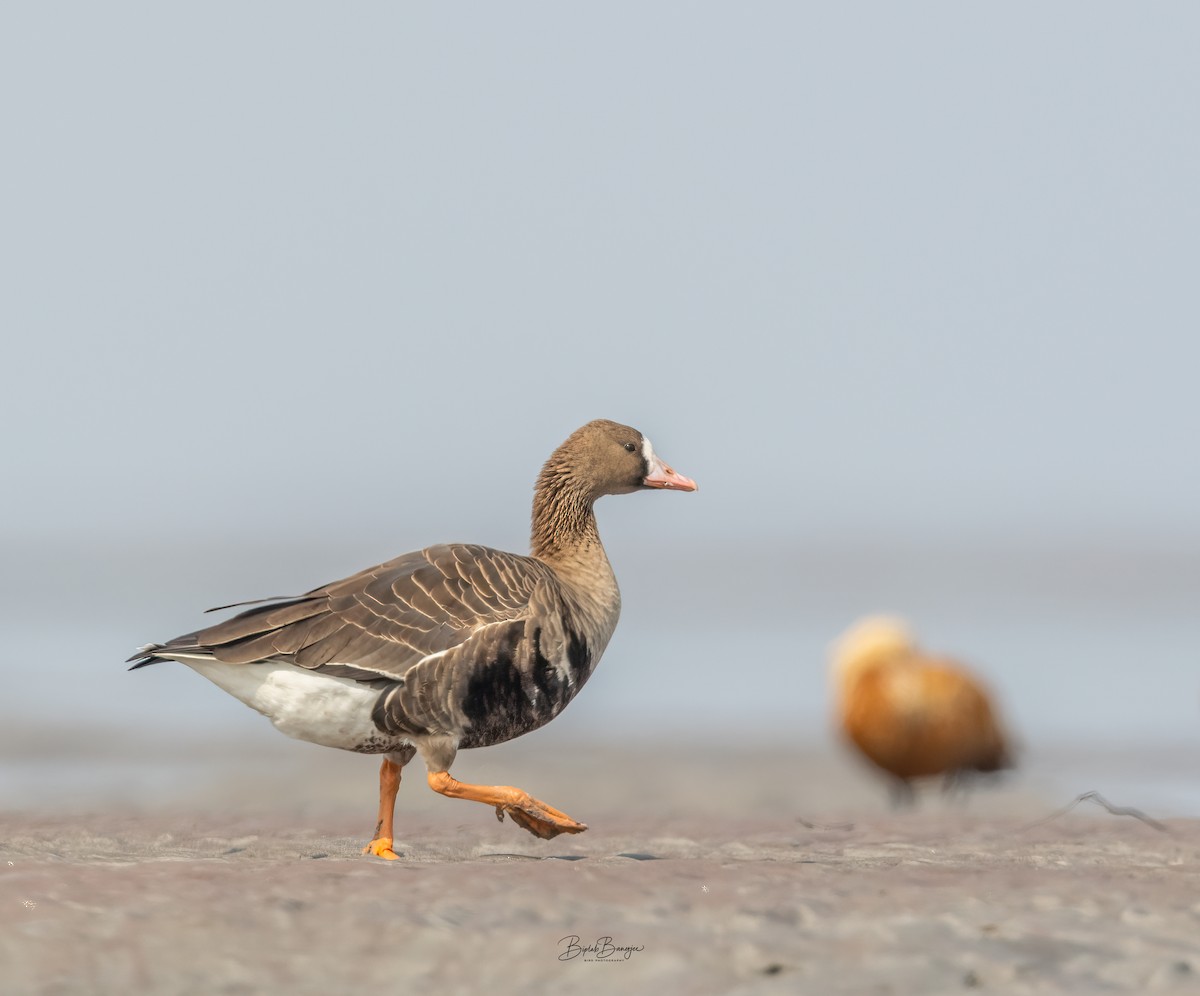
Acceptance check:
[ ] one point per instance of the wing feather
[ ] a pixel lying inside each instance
(385, 619)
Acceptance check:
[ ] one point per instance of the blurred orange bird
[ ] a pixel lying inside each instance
(910, 714)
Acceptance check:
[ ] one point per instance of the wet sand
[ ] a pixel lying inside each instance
(765, 871)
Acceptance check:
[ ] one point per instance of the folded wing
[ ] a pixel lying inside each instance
(379, 623)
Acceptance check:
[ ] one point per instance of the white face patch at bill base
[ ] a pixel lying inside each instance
(653, 463)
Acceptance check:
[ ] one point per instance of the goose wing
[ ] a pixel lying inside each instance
(379, 623)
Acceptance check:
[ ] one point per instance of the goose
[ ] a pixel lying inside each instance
(451, 647)
(909, 714)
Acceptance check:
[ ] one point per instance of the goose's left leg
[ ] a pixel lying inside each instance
(526, 811)
(389, 786)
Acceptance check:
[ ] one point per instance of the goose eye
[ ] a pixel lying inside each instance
(630, 447)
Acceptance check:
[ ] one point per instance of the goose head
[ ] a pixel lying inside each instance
(607, 458)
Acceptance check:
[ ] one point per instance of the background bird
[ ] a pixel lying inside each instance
(451, 646)
(910, 714)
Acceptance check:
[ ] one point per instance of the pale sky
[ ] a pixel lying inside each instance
(339, 278)
(903, 269)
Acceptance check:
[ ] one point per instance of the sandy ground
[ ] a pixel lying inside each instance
(765, 871)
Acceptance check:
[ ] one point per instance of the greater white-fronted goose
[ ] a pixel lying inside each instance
(451, 646)
(910, 714)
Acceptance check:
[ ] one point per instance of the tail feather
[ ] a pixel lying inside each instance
(266, 614)
(145, 656)
(151, 653)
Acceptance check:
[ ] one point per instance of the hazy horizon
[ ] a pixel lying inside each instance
(909, 291)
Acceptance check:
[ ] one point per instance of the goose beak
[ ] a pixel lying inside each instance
(662, 476)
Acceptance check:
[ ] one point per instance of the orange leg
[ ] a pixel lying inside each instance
(524, 810)
(389, 785)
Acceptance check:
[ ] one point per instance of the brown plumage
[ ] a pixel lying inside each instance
(910, 714)
(447, 647)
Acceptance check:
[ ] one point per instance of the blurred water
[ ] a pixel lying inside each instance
(1091, 656)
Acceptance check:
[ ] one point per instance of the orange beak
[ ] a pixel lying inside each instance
(662, 476)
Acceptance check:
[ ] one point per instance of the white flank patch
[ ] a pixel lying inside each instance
(306, 705)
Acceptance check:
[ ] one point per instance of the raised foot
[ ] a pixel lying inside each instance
(381, 847)
(526, 811)
(539, 819)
